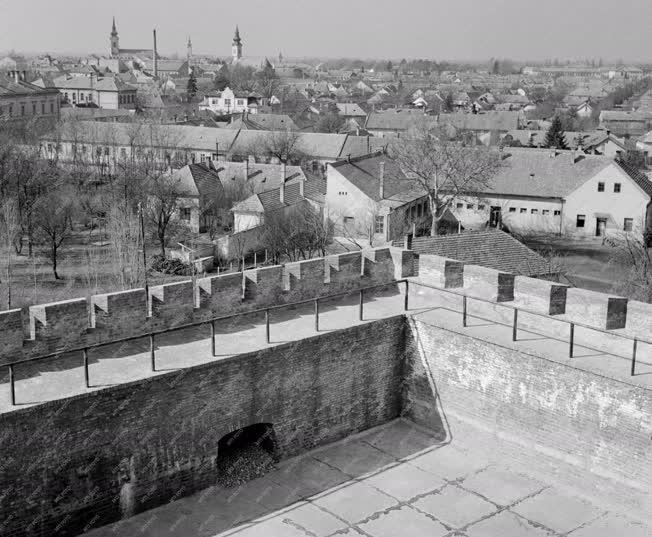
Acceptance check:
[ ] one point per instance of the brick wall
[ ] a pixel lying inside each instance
(78, 323)
(87, 460)
(594, 422)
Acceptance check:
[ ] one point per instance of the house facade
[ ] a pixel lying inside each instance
(20, 100)
(542, 191)
(228, 102)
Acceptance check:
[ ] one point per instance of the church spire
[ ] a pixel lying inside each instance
(113, 30)
(114, 40)
(236, 48)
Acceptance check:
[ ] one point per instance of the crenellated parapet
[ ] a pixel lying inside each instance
(78, 323)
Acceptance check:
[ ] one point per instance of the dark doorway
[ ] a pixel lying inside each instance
(495, 216)
(600, 227)
(246, 454)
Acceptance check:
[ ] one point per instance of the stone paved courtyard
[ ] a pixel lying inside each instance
(398, 480)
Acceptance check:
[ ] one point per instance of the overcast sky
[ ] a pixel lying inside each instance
(435, 29)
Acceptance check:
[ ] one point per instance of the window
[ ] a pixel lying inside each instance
(11, 110)
(123, 152)
(469, 205)
(460, 205)
(42, 108)
(480, 207)
(240, 102)
(523, 210)
(581, 219)
(534, 211)
(51, 108)
(628, 224)
(184, 214)
(557, 213)
(349, 221)
(227, 102)
(512, 209)
(419, 210)
(22, 109)
(545, 211)
(33, 109)
(600, 187)
(616, 188)
(379, 224)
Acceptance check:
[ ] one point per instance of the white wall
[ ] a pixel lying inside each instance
(242, 221)
(631, 202)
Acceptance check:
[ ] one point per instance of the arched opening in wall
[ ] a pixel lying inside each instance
(245, 454)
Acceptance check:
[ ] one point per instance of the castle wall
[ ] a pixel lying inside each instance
(594, 422)
(78, 323)
(92, 459)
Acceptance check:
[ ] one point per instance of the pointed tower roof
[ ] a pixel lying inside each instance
(113, 30)
(236, 37)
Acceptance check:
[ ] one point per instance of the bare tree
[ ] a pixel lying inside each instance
(164, 197)
(285, 146)
(445, 169)
(124, 231)
(53, 218)
(9, 232)
(631, 250)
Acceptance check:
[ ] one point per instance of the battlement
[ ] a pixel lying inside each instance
(78, 323)
(599, 310)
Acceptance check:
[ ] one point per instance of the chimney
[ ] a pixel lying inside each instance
(348, 158)
(155, 57)
(217, 151)
(381, 177)
(246, 170)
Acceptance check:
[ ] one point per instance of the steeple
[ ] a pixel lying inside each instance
(115, 41)
(189, 48)
(236, 47)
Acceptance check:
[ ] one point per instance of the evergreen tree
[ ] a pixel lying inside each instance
(555, 135)
(191, 88)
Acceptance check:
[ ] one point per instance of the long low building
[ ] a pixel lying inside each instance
(20, 100)
(108, 143)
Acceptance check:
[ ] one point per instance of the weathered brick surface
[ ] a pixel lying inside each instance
(66, 461)
(171, 304)
(121, 314)
(343, 272)
(604, 311)
(264, 286)
(302, 279)
(442, 272)
(404, 263)
(377, 266)
(220, 295)
(541, 296)
(600, 424)
(11, 338)
(58, 325)
(488, 283)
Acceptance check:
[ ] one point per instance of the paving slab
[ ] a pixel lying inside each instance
(403, 522)
(405, 482)
(316, 521)
(449, 462)
(613, 526)
(557, 510)
(506, 524)
(513, 486)
(355, 458)
(307, 476)
(455, 507)
(401, 439)
(355, 502)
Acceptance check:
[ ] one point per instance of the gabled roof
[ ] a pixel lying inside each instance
(9, 87)
(260, 177)
(588, 139)
(488, 121)
(364, 173)
(394, 119)
(350, 109)
(493, 249)
(265, 122)
(270, 200)
(536, 172)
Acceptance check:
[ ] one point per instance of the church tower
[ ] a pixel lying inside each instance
(115, 41)
(189, 50)
(236, 48)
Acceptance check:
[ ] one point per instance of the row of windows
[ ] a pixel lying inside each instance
(126, 99)
(617, 187)
(628, 223)
(36, 109)
(545, 212)
(471, 206)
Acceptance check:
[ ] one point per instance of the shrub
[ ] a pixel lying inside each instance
(166, 265)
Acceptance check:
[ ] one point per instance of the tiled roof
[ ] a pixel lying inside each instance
(488, 121)
(536, 172)
(8, 87)
(270, 200)
(364, 173)
(393, 119)
(350, 109)
(493, 249)
(262, 121)
(588, 139)
(260, 177)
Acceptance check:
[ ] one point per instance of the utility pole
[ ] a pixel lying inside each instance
(142, 238)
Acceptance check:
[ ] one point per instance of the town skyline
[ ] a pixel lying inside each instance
(292, 31)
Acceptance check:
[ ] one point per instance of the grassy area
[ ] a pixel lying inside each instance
(589, 264)
(85, 265)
